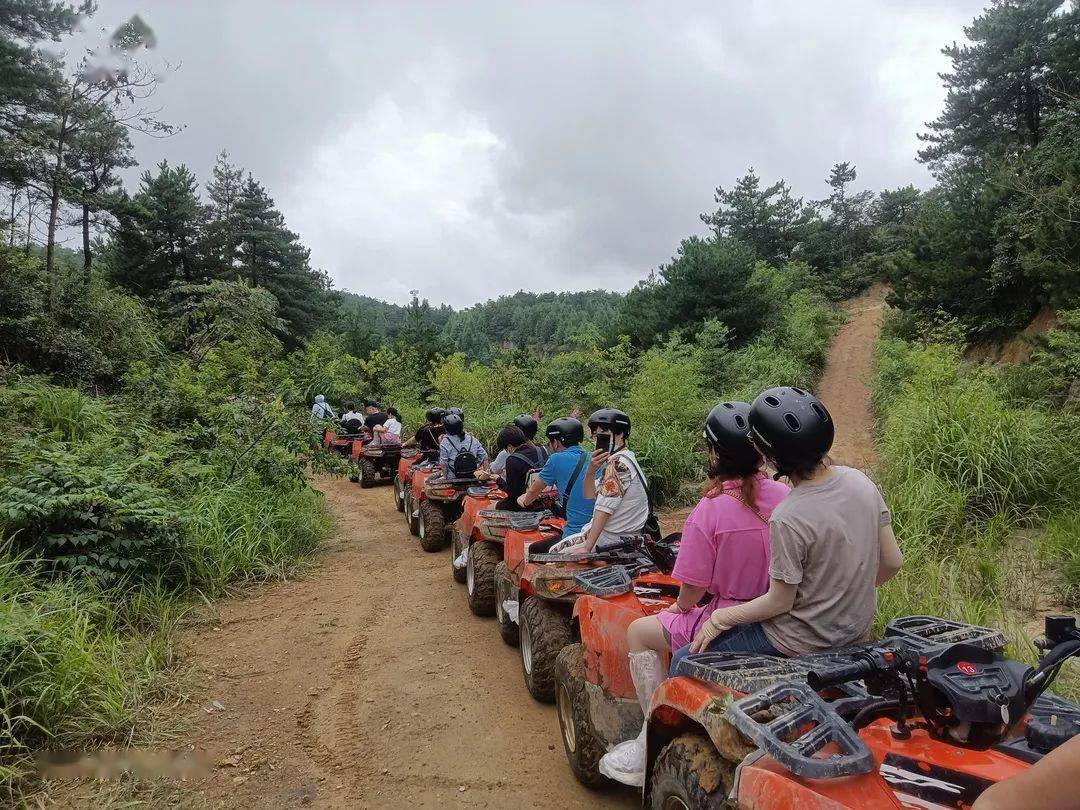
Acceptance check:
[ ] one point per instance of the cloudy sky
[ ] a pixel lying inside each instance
(471, 149)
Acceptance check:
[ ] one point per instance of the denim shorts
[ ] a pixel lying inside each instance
(743, 638)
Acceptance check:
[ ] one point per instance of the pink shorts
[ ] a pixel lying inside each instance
(682, 627)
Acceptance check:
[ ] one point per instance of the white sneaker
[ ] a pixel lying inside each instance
(625, 763)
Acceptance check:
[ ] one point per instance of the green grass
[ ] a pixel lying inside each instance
(233, 535)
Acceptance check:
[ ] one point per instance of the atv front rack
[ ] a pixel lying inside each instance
(927, 633)
(797, 737)
(611, 580)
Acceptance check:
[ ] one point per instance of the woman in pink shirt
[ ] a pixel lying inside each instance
(724, 553)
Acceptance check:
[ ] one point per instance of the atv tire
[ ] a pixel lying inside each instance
(369, 475)
(412, 520)
(504, 589)
(399, 493)
(480, 577)
(544, 631)
(432, 527)
(354, 474)
(583, 745)
(459, 574)
(690, 773)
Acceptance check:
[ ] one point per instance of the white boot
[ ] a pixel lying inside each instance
(626, 761)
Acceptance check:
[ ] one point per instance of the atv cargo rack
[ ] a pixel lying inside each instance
(611, 580)
(925, 633)
(795, 737)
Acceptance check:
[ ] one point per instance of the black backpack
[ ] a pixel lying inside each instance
(534, 464)
(465, 462)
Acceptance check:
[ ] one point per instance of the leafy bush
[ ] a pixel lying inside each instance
(82, 518)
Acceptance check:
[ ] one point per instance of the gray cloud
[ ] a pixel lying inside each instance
(473, 149)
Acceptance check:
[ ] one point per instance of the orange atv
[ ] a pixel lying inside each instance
(928, 717)
(479, 521)
(437, 500)
(477, 547)
(408, 457)
(374, 464)
(544, 588)
(414, 493)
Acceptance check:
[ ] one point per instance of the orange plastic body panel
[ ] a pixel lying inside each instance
(472, 506)
(356, 449)
(419, 478)
(516, 543)
(603, 623)
(404, 467)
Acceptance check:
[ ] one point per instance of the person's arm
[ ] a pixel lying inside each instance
(1054, 780)
(596, 528)
(891, 558)
(596, 461)
(532, 493)
(775, 601)
(410, 442)
(689, 596)
(444, 455)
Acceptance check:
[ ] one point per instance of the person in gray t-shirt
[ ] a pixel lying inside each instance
(831, 542)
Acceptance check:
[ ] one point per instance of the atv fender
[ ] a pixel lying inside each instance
(603, 623)
(683, 704)
(614, 719)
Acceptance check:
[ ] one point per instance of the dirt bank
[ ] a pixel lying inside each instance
(844, 386)
(370, 684)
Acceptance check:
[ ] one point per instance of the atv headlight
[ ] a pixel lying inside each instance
(555, 584)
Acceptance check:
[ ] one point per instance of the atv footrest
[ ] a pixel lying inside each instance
(809, 739)
(610, 580)
(929, 632)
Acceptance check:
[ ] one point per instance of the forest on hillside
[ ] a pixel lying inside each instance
(155, 379)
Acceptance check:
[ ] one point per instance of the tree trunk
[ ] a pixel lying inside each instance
(87, 258)
(11, 235)
(50, 264)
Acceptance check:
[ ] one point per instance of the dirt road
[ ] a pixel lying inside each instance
(370, 684)
(844, 384)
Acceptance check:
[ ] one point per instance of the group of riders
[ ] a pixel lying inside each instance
(765, 567)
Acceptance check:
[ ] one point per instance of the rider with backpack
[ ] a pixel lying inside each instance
(460, 454)
(528, 424)
(522, 459)
(427, 436)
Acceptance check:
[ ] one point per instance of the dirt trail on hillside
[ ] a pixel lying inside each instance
(370, 684)
(844, 386)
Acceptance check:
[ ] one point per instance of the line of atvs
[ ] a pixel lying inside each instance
(930, 715)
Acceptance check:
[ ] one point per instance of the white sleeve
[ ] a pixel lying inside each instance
(499, 464)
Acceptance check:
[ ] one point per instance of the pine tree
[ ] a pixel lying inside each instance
(1022, 63)
(766, 219)
(269, 255)
(157, 242)
(222, 231)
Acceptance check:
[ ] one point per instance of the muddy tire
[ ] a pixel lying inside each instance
(480, 577)
(504, 587)
(410, 518)
(369, 475)
(543, 631)
(583, 745)
(432, 527)
(458, 574)
(690, 773)
(399, 493)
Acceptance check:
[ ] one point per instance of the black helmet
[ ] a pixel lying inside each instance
(567, 430)
(456, 411)
(727, 429)
(611, 418)
(435, 415)
(528, 425)
(791, 427)
(454, 424)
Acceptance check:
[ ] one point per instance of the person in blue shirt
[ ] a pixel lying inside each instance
(567, 463)
(455, 441)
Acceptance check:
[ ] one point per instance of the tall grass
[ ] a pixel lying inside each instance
(973, 477)
(78, 666)
(233, 534)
